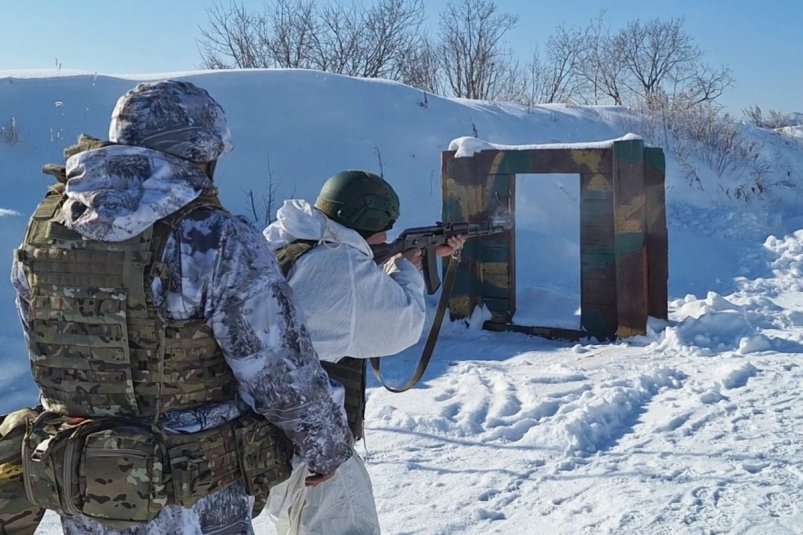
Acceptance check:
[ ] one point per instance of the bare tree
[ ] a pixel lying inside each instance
(393, 27)
(470, 52)
(702, 84)
(336, 41)
(656, 62)
(418, 66)
(292, 27)
(556, 77)
(233, 38)
(652, 52)
(601, 64)
(565, 50)
(369, 42)
(349, 39)
(655, 54)
(263, 211)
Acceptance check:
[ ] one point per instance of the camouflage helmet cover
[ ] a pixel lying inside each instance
(359, 200)
(172, 116)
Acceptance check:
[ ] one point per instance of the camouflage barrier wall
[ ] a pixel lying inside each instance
(623, 238)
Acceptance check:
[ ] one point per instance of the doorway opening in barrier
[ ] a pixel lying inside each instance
(547, 226)
(623, 262)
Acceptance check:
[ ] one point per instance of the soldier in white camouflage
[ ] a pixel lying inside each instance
(170, 359)
(355, 310)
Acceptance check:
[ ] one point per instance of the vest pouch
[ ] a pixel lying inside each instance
(265, 455)
(17, 513)
(350, 372)
(121, 475)
(49, 462)
(109, 469)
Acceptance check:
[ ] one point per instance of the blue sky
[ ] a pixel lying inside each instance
(759, 40)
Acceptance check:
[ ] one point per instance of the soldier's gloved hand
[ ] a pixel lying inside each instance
(316, 479)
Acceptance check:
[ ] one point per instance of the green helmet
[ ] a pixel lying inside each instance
(359, 200)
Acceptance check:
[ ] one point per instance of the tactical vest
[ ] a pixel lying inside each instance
(108, 364)
(98, 347)
(348, 371)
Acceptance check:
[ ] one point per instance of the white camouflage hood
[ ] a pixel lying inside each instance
(172, 116)
(299, 220)
(116, 192)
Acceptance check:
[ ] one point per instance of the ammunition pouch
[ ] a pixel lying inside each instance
(350, 372)
(264, 453)
(18, 515)
(111, 470)
(121, 472)
(249, 448)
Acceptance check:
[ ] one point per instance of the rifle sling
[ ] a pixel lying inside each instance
(432, 338)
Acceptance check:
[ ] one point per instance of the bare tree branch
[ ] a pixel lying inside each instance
(470, 51)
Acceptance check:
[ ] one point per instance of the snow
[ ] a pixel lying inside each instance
(694, 427)
(58, 72)
(467, 146)
(792, 131)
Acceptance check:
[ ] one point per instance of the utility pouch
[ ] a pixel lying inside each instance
(350, 372)
(122, 477)
(122, 473)
(202, 463)
(18, 515)
(249, 448)
(265, 455)
(43, 459)
(110, 470)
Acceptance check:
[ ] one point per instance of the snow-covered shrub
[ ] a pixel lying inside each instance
(702, 136)
(772, 121)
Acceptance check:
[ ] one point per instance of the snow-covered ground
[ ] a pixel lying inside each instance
(694, 428)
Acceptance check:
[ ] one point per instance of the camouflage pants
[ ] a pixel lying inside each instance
(226, 512)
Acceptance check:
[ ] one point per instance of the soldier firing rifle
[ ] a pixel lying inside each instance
(428, 239)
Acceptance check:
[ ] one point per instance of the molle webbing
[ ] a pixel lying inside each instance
(98, 346)
(249, 448)
(122, 472)
(350, 372)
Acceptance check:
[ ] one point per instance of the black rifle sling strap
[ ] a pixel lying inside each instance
(432, 338)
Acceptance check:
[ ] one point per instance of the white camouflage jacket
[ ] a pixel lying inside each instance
(351, 306)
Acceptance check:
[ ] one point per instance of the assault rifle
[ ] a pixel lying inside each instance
(428, 238)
